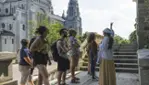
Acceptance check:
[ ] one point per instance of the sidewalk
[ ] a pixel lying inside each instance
(122, 79)
(16, 73)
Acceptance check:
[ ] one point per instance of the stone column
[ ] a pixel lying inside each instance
(143, 23)
(143, 59)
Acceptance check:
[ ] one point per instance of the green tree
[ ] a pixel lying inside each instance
(119, 40)
(133, 37)
(53, 34)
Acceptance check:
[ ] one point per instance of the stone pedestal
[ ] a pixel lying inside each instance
(6, 59)
(143, 59)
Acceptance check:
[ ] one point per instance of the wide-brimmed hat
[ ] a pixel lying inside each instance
(107, 30)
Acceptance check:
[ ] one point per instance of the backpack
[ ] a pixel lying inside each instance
(55, 51)
(31, 41)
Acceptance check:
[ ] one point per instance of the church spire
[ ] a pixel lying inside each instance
(73, 19)
(63, 15)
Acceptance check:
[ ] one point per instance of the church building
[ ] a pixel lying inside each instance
(16, 14)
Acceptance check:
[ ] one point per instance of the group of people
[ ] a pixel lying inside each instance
(66, 53)
(34, 53)
(102, 55)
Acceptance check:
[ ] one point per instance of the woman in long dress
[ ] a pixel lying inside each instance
(107, 67)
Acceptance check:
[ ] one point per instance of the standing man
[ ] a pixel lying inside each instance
(63, 61)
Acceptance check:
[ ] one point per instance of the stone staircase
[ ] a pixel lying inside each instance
(125, 58)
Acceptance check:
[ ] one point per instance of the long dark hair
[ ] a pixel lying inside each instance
(111, 41)
(91, 37)
(41, 30)
(72, 32)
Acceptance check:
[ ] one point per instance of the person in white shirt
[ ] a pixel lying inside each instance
(107, 67)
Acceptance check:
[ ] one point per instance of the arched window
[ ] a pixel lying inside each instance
(23, 27)
(3, 25)
(5, 41)
(22, 6)
(12, 41)
(6, 10)
(10, 26)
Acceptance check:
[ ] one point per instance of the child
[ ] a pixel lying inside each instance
(25, 63)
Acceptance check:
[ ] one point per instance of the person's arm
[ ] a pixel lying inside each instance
(105, 44)
(35, 45)
(61, 50)
(27, 58)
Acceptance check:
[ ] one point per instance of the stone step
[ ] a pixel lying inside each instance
(120, 56)
(120, 60)
(120, 65)
(124, 50)
(124, 53)
(124, 70)
(126, 65)
(125, 56)
(125, 60)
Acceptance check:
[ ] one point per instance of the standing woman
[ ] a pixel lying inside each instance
(74, 54)
(107, 67)
(38, 47)
(92, 50)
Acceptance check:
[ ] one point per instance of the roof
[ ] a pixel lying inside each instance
(6, 33)
(5, 1)
(56, 17)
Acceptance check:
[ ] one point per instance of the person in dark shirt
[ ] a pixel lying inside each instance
(25, 63)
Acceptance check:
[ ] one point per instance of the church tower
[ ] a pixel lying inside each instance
(73, 19)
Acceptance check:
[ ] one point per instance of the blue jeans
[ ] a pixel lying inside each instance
(92, 63)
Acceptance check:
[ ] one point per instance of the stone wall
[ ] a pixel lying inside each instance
(143, 22)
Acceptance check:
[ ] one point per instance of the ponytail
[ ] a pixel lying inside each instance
(110, 42)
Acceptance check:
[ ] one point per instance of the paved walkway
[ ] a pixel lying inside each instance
(122, 79)
(16, 73)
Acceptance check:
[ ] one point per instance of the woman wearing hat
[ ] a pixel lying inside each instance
(107, 67)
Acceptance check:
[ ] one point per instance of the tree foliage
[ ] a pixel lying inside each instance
(133, 37)
(119, 40)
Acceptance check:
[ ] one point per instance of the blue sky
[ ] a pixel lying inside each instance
(97, 14)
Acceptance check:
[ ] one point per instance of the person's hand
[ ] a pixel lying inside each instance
(50, 62)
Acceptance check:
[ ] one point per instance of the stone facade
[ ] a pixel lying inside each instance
(142, 22)
(73, 19)
(16, 14)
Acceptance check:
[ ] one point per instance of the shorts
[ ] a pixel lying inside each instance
(63, 64)
(25, 74)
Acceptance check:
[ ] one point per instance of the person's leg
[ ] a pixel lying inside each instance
(24, 74)
(30, 76)
(44, 73)
(59, 76)
(40, 79)
(92, 68)
(64, 77)
(89, 65)
(72, 68)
